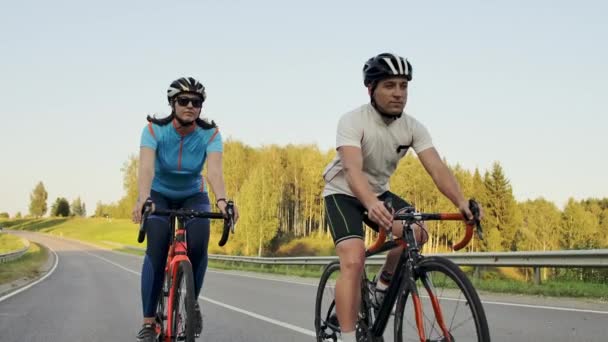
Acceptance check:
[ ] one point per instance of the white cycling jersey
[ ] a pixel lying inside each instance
(381, 144)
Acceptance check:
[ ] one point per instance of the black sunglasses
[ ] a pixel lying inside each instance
(183, 101)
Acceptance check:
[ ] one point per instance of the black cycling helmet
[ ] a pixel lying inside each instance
(186, 85)
(383, 66)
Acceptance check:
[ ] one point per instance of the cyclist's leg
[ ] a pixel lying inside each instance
(392, 257)
(153, 269)
(344, 217)
(198, 238)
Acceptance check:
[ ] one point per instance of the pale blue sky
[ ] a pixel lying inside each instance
(519, 82)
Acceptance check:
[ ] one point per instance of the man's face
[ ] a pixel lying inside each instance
(391, 95)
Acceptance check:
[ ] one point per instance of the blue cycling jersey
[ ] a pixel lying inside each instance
(180, 157)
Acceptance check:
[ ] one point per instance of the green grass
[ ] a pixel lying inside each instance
(311, 271)
(25, 267)
(10, 243)
(553, 288)
(95, 230)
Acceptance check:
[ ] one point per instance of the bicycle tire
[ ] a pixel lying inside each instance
(161, 314)
(326, 329)
(432, 267)
(182, 328)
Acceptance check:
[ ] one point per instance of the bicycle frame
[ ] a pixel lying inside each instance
(404, 275)
(178, 248)
(178, 251)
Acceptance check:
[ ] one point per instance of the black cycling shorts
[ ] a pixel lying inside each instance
(345, 215)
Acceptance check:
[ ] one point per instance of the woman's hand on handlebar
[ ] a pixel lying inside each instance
(138, 209)
(222, 207)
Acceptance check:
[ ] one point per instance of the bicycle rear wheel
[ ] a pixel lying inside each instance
(327, 326)
(182, 298)
(451, 309)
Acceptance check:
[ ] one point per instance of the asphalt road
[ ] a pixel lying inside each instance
(93, 295)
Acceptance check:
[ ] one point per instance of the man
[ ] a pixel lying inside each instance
(370, 141)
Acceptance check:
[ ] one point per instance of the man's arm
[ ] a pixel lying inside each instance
(352, 163)
(444, 179)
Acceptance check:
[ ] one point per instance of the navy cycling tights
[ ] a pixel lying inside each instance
(158, 233)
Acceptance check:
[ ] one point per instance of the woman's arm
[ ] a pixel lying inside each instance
(215, 176)
(145, 176)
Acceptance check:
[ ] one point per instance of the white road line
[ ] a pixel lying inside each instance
(112, 262)
(227, 306)
(544, 307)
(260, 317)
(37, 281)
(484, 302)
(265, 278)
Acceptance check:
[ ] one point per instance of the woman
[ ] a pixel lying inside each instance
(173, 152)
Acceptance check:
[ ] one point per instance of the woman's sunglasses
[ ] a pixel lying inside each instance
(183, 101)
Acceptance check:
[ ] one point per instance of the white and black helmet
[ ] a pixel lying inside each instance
(383, 66)
(186, 85)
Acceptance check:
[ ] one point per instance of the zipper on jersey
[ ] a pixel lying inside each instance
(179, 157)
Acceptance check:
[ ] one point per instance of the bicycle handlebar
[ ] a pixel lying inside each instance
(411, 217)
(228, 219)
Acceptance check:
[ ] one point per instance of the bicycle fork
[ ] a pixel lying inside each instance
(428, 285)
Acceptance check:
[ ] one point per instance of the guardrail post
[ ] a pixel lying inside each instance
(477, 272)
(536, 275)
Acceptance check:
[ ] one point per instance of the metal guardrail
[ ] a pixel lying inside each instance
(597, 258)
(6, 257)
(578, 258)
(569, 258)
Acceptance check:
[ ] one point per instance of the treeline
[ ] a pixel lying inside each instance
(278, 191)
(61, 207)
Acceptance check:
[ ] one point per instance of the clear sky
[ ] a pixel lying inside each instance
(519, 82)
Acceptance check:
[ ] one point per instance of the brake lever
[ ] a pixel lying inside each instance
(474, 207)
(146, 210)
(230, 212)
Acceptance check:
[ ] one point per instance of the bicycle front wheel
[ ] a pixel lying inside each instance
(449, 308)
(161, 315)
(182, 308)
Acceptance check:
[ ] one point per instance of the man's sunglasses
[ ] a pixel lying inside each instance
(183, 101)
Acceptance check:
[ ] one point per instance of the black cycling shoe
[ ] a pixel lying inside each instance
(198, 320)
(147, 333)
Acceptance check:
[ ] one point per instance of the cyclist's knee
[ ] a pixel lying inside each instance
(352, 256)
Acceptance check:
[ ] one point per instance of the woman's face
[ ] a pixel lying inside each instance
(187, 107)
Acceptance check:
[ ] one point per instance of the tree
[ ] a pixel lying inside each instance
(125, 205)
(502, 214)
(259, 202)
(61, 207)
(38, 198)
(4, 215)
(102, 210)
(78, 208)
(541, 225)
(579, 228)
(18, 215)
